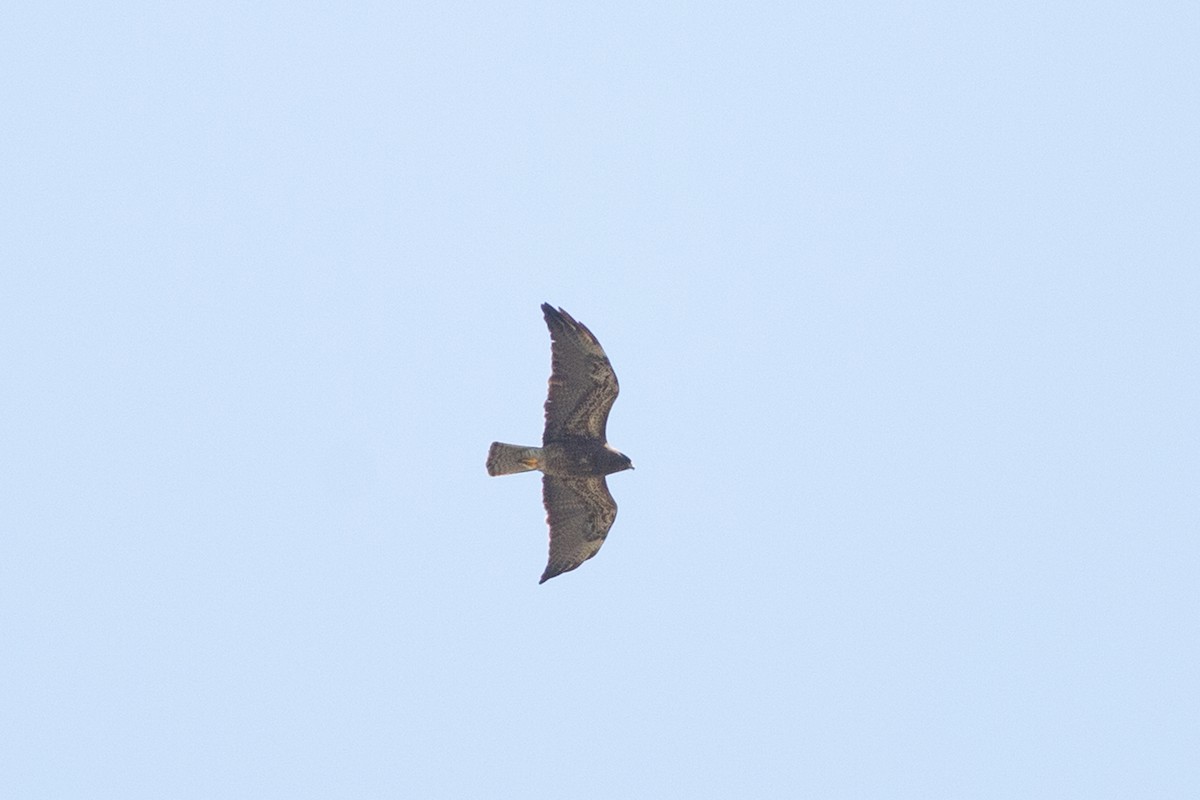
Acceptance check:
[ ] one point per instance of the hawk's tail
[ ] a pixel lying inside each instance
(505, 459)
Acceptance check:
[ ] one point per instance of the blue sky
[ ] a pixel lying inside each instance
(905, 304)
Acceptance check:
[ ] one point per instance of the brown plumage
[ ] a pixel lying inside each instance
(574, 455)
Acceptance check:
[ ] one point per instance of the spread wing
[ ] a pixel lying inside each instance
(583, 385)
(579, 511)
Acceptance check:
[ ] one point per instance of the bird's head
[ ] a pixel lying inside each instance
(617, 461)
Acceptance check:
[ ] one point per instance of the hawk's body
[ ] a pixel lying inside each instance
(574, 455)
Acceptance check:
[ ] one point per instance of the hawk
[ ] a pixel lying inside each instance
(575, 455)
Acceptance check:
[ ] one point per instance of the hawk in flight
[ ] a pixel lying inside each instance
(574, 456)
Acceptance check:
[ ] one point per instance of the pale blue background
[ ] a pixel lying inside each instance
(904, 300)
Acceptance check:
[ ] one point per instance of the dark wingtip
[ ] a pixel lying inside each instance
(560, 318)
